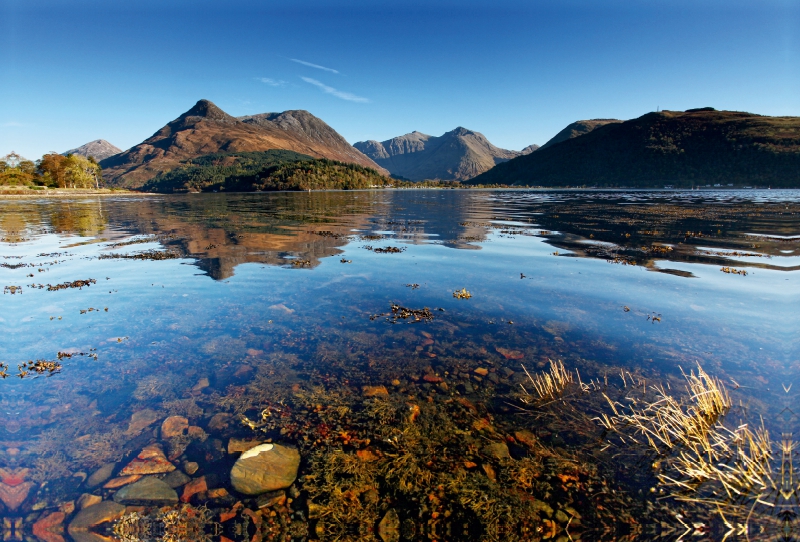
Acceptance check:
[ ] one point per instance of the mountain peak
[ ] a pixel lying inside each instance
(459, 154)
(206, 129)
(99, 149)
(208, 110)
(461, 131)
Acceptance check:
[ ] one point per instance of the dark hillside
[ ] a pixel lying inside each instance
(263, 171)
(695, 147)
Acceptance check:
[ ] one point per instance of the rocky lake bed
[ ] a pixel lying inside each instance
(398, 365)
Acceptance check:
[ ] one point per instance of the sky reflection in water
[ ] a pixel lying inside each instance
(555, 275)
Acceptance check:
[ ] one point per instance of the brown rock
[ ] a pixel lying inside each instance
(141, 420)
(217, 493)
(481, 371)
(196, 433)
(432, 378)
(201, 385)
(526, 437)
(174, 426)
(101, 475)
(236, 445)
(375, 391)
(273, 498)
(95, 515)
(195, 486)
(50, 527)
(86, 500)
(230, 514)
(497, 450)
(265, 468)
(509, 354)
(190, 467)
(151, 460)
(148, 491)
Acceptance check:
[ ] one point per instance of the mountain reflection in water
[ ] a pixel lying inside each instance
(242, 319)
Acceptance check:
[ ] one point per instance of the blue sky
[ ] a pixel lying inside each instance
(516, 71)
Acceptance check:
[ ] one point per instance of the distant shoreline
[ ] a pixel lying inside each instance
(67, 192)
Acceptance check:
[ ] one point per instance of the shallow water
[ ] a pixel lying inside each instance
(272, 312)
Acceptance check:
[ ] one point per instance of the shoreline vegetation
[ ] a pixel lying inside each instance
(55, 175)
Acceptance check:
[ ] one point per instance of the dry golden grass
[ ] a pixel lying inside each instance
(549, 385)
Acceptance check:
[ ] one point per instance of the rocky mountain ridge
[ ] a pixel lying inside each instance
(99, 149)
(206, 129)
(456, 155)
(697, 147)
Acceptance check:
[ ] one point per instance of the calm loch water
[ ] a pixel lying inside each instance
(390, 337)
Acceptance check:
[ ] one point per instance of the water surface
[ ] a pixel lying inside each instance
(270, 317)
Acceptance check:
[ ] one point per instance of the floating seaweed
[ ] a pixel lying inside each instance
(79, 284)
(462, 294)
(385, 250)
(153, 255)
(403, 313)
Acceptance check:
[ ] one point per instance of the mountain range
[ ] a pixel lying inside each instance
(99, 149)
(680, 148)
(206, 129)
(457, 155)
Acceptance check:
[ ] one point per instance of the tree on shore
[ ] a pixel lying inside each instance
(71, 171)
(16, 171)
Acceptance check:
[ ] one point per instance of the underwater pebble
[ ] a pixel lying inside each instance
(374, 391)
(148, 491)
(151, 460)
(95, 515)
(195, 486)
(174, 426)
(87, 499)
(175, 479)
(265, 468)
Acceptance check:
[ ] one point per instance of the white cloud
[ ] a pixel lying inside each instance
(271, 82)
(310, 65)
(12, 124)
(338, 93)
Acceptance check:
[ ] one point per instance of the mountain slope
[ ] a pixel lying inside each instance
(457, 155)
(578, 128)
(263, 171)
(670, 147)
(206, 129)
(100, 149)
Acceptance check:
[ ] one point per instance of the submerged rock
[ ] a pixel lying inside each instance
(101, 475)
(151, 460)
(265, 468)
(95, 515)
(174, 426)
(148, 492)
(176, 478)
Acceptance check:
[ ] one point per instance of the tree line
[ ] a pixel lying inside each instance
(53, 170)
